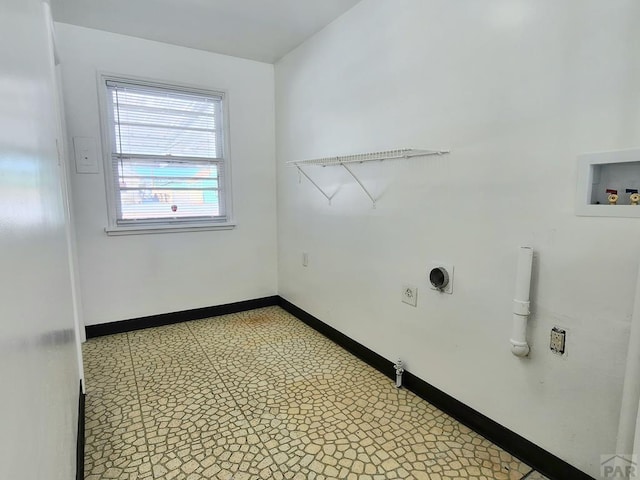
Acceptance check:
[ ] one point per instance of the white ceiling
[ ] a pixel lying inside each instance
(263, 30)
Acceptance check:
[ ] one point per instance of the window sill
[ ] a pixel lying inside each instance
(148, 229)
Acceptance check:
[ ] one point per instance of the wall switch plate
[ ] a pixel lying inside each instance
(410, 295)
(558, 340)
(305, 259)
(86, 155)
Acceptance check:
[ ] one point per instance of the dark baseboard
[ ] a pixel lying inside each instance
(80, 440)
(534, 456)
(177, 317)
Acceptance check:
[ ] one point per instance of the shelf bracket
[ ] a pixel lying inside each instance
(314, 184)
(373, 200)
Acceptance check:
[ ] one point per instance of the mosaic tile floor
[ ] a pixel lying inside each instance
(259, 395)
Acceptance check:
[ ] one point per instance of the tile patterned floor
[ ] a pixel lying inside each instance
(535, 476)
(259, 395)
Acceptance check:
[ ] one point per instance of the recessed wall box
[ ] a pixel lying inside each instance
(600, 174)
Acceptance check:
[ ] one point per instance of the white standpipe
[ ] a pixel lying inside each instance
(629, 425)
(519, 346)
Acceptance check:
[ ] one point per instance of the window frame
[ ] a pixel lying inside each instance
(112, 192)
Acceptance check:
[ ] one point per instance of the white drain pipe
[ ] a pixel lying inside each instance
(521, 311)
(629, 425)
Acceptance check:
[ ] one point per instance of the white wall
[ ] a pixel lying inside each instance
(516, 89)
(38, 367)
(132, 276)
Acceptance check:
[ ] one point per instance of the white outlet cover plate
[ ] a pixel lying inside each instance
(410, 295)
(566, 335)
(449, 268)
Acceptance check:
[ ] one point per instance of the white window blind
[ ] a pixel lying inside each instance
(167, 155)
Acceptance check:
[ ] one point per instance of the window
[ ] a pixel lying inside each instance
(167, 157)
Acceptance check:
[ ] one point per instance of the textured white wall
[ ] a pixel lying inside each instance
(517, 89)
(38, 367)
(138, 275)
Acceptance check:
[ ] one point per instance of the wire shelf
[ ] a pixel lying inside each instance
(368, 157)
(359, 158)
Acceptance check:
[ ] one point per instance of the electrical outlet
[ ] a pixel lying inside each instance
(410, 295)
(558, 340)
